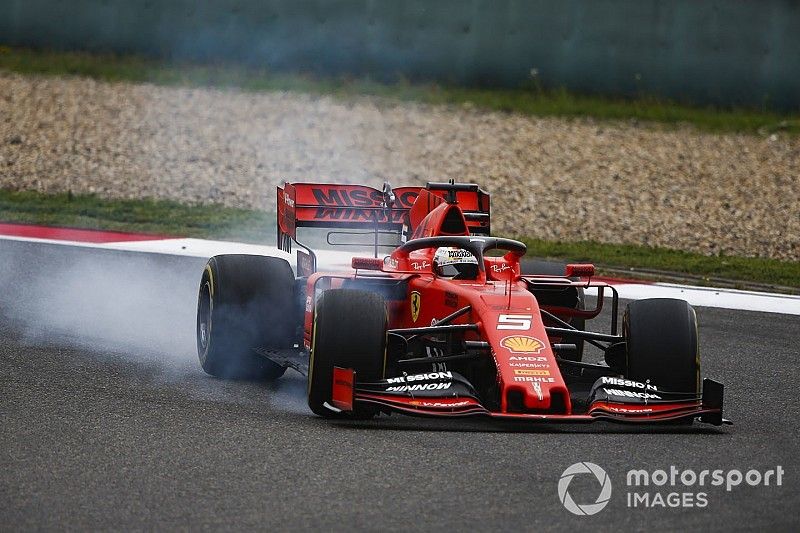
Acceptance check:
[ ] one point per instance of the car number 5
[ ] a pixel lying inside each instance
(522, 322)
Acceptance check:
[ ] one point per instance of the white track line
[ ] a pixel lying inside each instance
(699, 296)
(713, 297)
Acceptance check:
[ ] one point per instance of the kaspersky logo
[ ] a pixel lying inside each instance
(522, 344)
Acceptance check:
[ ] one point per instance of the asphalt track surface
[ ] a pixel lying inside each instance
(109, 423)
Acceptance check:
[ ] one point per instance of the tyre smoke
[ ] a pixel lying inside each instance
(141, 305)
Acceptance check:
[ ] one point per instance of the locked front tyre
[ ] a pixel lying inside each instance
(349, 332)
(244, 303)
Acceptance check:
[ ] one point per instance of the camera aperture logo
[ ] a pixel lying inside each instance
(586, 509)
(671, 487)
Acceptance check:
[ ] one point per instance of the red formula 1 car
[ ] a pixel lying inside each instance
(444, 325)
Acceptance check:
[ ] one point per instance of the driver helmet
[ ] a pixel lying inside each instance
(455, 263)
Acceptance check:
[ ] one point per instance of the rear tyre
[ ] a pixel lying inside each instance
(244, 302)
(349, 332)
(661, 344)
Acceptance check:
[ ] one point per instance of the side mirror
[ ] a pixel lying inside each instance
(579, 270)
(367, 263)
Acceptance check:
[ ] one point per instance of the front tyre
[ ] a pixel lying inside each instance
(244, 302)
(661, 344)
(349, 332)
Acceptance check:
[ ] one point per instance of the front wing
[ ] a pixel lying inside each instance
(459, 400)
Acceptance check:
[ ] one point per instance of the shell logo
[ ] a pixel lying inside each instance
(522, 344)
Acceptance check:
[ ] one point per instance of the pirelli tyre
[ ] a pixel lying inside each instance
(349, 332)
(243, 304)
(661, 344)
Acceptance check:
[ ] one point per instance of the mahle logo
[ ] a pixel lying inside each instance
(586, 509)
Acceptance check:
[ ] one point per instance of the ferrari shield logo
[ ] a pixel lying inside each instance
(416, 302)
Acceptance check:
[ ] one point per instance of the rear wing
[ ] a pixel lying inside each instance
(336, 206)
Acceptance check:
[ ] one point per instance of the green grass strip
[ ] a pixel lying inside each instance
(637, 258)
(160, 217)
(530, 100)
(217, 222)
